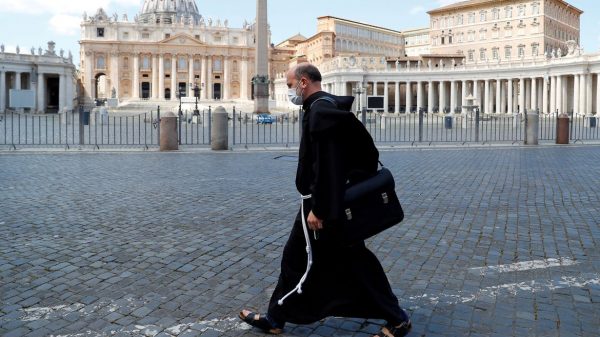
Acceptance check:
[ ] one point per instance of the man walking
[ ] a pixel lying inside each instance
(336, 280)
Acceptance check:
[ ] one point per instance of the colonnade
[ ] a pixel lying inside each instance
(36, 83)
(232, 77)
(578, 93)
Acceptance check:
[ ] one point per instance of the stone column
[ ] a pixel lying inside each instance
(203, 93)
(71, 94)
(559, 93)
(452, 96)
(154, 84)
(3, 91)
(419, 96)
(477, 94)
(430, 93)
(88, 78)
(40, 94)
(245, 80)
(544, 108)
(62, 93)
(463, 98)
(527, 95)
(503, 87)
(442, 95)
(510, 96)
(114, 75)
(209, 79)
(498, 96)
(597, 95)
(226, 78)
(408, 96)
(487, 96)
(576, 109)
(534, 94)
(522, 95)
(135, 84)
(552, 100)
(385, 96)
(588, 93)
(582, 91)
(161, 77)
(190, 88)
(397, 98)
(174, 87)
(18, 80)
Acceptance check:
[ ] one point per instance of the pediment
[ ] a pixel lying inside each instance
(181, 39)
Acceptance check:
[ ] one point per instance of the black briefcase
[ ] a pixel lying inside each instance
(370, 207)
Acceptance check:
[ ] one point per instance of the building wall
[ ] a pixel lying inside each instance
(485, 30)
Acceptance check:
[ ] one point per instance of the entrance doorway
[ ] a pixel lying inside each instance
(217, 91)
(168, 93)
(182, 89)
(101, 86)
(145, 90)
(52, 92)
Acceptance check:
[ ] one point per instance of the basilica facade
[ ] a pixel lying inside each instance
(166, 51)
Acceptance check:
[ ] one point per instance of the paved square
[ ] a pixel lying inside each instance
(496, 242)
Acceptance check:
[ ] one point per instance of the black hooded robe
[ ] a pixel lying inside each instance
(344, 281)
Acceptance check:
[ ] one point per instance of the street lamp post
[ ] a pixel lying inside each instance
(359, 90)
(180, 93)
(196, 95)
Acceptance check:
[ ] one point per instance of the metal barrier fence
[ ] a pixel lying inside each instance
(143, 129)
(251, 129)
(83, 128)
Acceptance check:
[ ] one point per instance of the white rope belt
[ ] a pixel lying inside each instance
(309, 261)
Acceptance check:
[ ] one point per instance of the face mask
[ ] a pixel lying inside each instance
(294, 97)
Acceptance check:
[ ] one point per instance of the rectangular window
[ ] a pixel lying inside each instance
(495, 53)
(521, 51)
(146, 62)
(471, 17)
(482, 54)
(508, 12)
(483, 16)
(507, 52)
(217, 39)
(534, 50)
(496, 14)
(145, 36)
(99, 32)
(182, 63)
(125, 35)
(167, 36)
(471, 55)
(197, 37)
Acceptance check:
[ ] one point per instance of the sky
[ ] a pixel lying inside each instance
(32, 23)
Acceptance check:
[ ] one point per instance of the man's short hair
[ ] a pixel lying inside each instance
(308, 70)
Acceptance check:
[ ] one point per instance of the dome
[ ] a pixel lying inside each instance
(168, 10)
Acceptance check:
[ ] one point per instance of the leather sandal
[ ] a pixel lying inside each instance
(395, 331)
(262, 322)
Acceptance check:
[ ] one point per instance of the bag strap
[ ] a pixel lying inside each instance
(324, 98)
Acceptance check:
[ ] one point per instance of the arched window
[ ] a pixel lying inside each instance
(100, 62)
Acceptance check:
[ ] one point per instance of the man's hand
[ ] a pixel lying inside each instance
(314, 223)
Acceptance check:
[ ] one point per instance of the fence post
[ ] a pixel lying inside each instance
(477, 125)
(168, 137)
(219, 135)
(364, 116)
(158, 123)
(532, 122)
(233, 114)
(81, 128)
(420, 126)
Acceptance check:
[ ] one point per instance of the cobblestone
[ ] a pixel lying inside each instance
(175, 244)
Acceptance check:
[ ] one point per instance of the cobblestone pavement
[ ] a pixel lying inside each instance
(496, 242)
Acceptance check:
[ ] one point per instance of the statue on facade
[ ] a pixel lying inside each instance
(429, 63)
(441, 63)
(125, 17)
(70, 57)
(40, 50)
(62, 53)
(218, 22)
(136, 18)
(115, 17)
(407, 65)
(50, 50)
(226, 23)
(202, 21)
(18, 50)
(2, 48)
(85, 17)
(113, 93)
(209, 22)
(32, 51)
(559, 52)
(245, 26)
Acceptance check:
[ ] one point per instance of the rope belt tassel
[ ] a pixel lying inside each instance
(309, 261)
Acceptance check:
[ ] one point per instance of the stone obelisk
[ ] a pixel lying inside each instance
(261, 79)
